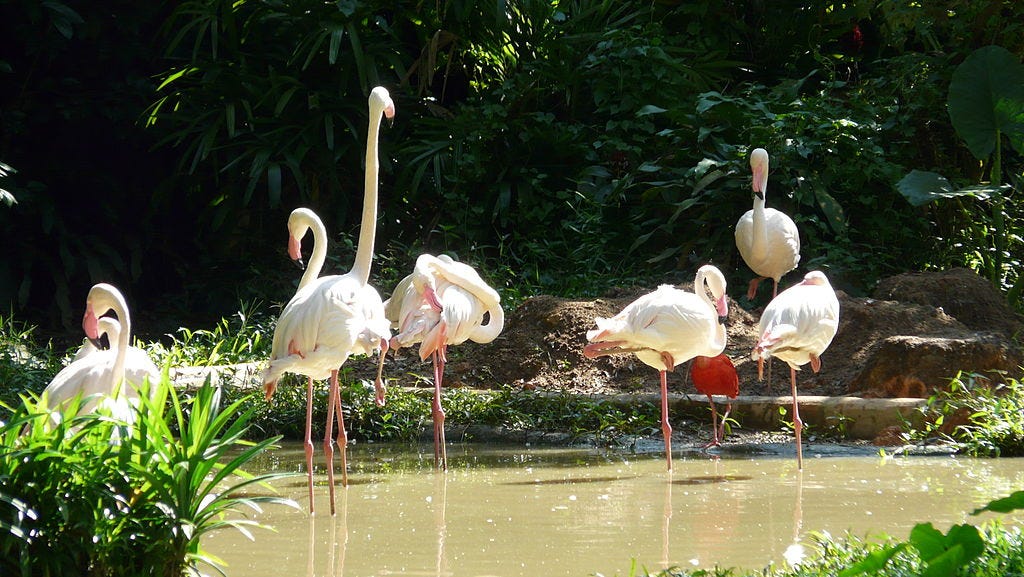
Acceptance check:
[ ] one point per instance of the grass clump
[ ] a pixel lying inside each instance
(983, 418)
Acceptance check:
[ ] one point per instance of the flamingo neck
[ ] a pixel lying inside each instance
(717, 345)
(466, 278)
(120, 308)
(368, 224)
(319, 255)
(759, 238)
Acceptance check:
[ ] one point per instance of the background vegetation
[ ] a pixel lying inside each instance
(562, 146)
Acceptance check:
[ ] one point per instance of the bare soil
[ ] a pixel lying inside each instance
(542, 343)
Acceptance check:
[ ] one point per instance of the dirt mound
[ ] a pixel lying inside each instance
(542, 344)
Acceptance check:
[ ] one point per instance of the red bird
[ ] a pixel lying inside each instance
(715, 376)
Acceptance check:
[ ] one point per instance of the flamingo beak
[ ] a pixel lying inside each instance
(295, 252)
(722, 306)
(90, 324)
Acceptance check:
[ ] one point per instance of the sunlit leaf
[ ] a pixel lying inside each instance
(1005, 505)
(986, 98)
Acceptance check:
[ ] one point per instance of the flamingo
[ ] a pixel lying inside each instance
(110, 377)
(443, 302)
(797, 326)
(333, 317)
(767, 239)
(715, 376)
(665, 328)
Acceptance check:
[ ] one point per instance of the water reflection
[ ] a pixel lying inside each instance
(526, 512)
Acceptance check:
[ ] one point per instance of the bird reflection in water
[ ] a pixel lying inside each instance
(440, 504)
(337, 545)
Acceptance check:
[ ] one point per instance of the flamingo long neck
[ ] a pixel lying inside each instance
(489, 297)
(759, 240)
(117, 373)
(319, 255)
(368, 224)
(717, 345)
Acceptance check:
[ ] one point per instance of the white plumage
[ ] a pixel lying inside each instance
(443, 302)
(796, 327)
(331, 318)
(110, 377)
(767, 239)
(666, 328)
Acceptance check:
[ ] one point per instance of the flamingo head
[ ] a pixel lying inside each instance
(381, 100)
(815, 278)
(759, 166)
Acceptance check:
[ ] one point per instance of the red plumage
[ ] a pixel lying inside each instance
(715, 376)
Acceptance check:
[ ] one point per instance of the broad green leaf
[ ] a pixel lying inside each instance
(650, 109)
(920, 187)
(832, 210)
(1005, 505)
(929, 541)
(986, 98)
(274, 183)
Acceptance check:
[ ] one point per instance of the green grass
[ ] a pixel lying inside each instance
(983, 418)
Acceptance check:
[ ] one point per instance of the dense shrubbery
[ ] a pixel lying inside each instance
(564, 146)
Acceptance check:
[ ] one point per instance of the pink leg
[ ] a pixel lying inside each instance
(721, 424)
(309, 440)
(342, 438)
(715, 441)
(752, 289)
(666, 428)
(815, 363)
(440, 451)
(332, 399)
(798, 425)
(378, 384)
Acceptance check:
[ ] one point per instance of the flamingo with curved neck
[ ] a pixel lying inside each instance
(666, 328)
(333, 317)
(113, 374)
(443, 302)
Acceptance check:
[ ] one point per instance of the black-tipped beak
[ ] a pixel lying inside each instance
(759, 194)
(98, 343)
(721, 320)
(299, 263)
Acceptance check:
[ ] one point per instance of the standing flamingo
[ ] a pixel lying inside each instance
(333, 317)
(442, 303)
(104, 376)
(665, 328)
(767, 239)
(797, 326)
(715, 376)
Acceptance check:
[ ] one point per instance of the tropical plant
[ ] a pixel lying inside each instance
(92, 494)
(986, 104)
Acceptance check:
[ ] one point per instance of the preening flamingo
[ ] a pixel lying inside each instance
(333, 317)
(111, 376)
(767, 239)
(715, 376)
(666, 328)
(797, 326)
(443, 302)
(105, 326)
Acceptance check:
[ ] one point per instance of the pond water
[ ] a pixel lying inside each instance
(522, 511)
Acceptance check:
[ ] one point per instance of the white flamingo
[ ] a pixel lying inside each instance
(797, 326)
(333, 317)
(767, 239)
(443, 302)
(109, 377)
(666, 328)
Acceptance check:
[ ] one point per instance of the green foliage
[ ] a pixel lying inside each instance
(242, 338)
(95, 495)
(984, 418)
(986, 103)
(25, 365)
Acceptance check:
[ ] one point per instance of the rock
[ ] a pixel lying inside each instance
(960, 293)
(891, 436)
(913, 366)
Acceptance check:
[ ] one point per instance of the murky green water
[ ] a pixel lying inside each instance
(514, 512)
